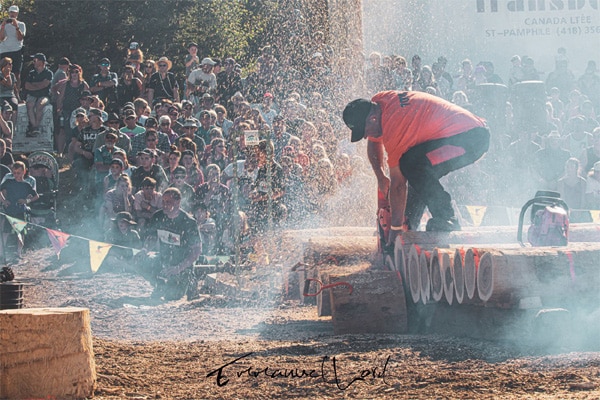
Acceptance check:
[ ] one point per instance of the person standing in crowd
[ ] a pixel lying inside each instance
(37, 85)
(192, 61)
(12, 33)
(229, 82)
(425, 138)
(201, 80)
(9, 91)
(104, 84)
(175, 235)
(130, 87)
(163, 84)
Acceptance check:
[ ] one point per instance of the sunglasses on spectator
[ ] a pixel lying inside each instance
(165, 124)
(151, 139)
(162, 65)
(179, 177)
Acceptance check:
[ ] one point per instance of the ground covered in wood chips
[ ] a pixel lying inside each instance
(262, 346)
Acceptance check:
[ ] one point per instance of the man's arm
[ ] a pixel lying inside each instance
(398, 195)
(37, 85)
(375, 152)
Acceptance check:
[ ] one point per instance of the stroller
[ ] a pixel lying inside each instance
(44, 168)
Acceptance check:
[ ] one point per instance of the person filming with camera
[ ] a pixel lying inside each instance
(12, 33)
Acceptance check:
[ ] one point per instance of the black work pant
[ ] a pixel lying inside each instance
(424, 165)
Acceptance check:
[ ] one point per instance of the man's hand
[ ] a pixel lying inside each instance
(383, 184)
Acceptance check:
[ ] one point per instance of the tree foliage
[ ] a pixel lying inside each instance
(85, 30)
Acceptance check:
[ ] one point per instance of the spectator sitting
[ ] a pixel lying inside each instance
(146, 202)
(148, 168)
(592, 190)
(222, 121)
(572, 186)
(114, 173)
(131, 128)
(195, 177)
(116, 200)
(37, 85)
(187, 191)
(190, 127)
(103, 157)
(122, 234)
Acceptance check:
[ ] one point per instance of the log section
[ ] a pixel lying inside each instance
(46, 353)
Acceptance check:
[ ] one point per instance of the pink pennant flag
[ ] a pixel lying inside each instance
(58, 240)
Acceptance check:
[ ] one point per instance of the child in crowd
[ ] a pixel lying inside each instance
(114, 173)
(15, 195)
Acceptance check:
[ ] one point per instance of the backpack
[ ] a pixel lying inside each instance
(550, 227)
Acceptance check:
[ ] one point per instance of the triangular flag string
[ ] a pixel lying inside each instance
(58, 240)
(98, 251)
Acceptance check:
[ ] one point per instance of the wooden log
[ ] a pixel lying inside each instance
(401, 258)
(504, 277)
(46, 353)
(584, 232)
(340, 249)
(437, 272)
(424, 278)
(377, 303)
(470, 265)
(323, 298)
(458, 276)
(414, 276)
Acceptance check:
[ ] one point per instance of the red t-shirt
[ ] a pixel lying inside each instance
(412, 118)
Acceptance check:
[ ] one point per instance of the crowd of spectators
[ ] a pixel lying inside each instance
(249, 150)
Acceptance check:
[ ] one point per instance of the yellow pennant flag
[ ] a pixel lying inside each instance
(477, 213)
(595, 215)
(98, 251)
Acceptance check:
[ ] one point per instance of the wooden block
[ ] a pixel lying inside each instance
(46, 353)
(323, 298)
(377, 303)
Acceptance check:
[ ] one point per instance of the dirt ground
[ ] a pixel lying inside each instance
(256, 344)
(261, 347)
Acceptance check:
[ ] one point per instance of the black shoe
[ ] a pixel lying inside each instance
(440, 225)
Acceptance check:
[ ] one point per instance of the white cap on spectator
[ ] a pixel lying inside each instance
(13, 8)
(207, 61)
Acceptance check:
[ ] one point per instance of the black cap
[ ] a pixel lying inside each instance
(104, 62)
(113, 117)
(39, 56)
(355, 116)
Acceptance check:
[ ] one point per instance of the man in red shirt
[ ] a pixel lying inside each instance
(425, 137)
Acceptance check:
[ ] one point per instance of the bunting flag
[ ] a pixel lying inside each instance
(58, 240)
(98, 251)
(477, 213)
(595, 215)
(18, 226)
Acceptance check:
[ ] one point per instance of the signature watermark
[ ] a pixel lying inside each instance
(329, 370)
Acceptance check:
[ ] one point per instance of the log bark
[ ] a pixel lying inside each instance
(377, 303)
(46, 353)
